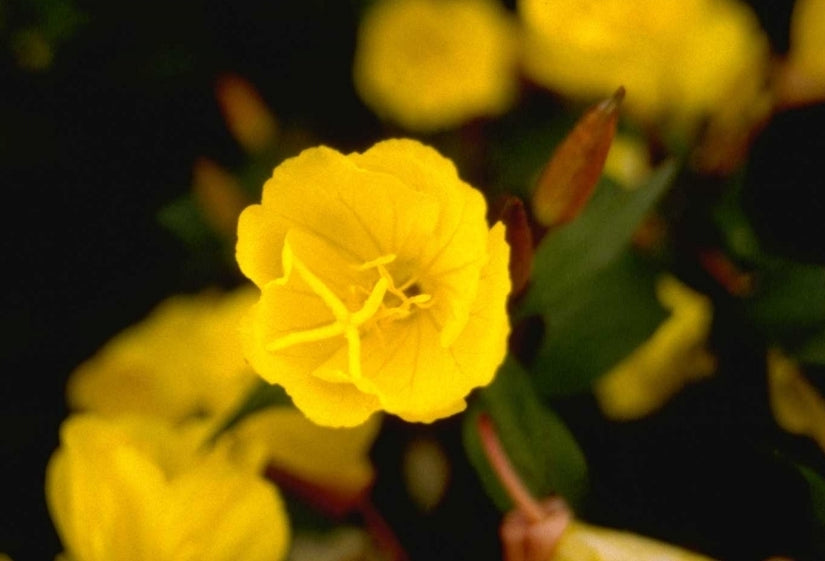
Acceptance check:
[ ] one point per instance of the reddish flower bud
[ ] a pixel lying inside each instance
(571, 175)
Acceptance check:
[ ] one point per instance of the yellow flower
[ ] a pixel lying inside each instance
(673, 355)
(678, 59)
(334, 459)
(183, 360)
(628, 162)
(383, 288)
(434, 64)
(802, 79)
(796, 404)
(134, 489)
(585, 542)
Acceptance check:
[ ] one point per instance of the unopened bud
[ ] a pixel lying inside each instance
(520, 240)
(571, 175)
(219, 195)
(249, 120)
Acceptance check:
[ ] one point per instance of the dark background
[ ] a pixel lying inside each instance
(93, 147)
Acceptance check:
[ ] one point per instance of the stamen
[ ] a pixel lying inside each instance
(377, 262)
(308, 336)
(354, 350)
(339, 310)
(349, 324)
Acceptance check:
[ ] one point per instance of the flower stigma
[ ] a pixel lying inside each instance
(382, 304)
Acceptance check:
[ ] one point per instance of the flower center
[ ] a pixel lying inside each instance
(381, 304)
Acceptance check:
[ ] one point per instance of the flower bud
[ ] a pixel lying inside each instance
(571, 175)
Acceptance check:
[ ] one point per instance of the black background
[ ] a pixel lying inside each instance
(92, 148)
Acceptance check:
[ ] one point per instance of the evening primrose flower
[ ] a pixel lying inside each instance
(335, 459)
(434, 64)
(133, 489)
(796, 404)
(674, 355)
(801, 79)
(184, 360)
(678, 59)
(383, 288)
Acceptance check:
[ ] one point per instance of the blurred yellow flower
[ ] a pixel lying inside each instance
(435, 64)
(585, 542)
(678, 59)
(796, 404)
(674, 355)
(219, 195)
(135, 489)
(332, 458)
(248, 118)
(802, 79)
(184, 360)
(628, 162)
(383, 288)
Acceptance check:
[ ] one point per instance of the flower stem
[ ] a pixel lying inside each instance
(381, 531)
(507, 475)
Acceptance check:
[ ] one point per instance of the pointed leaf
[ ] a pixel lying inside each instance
(572, 255)
(539, 445)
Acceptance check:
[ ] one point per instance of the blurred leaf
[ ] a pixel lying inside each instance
(816, 487)
(575, 253)
(183, 217)
(521, 144)
(790, 297)
(597, 301)
(539, 445)
(813, 349)
(789, 307)
(598, 323)
(734, 225)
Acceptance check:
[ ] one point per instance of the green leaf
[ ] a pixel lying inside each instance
(539, 445)
(812, 350)
(574, 254)
(816, 487)
(790, 300)
(261, 396)
(598, 324)
(185, 220)
(521, 144)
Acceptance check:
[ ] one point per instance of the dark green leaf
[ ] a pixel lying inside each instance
(816, 487)
(598, 323)
(812, 351)
(790, 299)
(572, 255)
(261, 396)
(537, 442)
(185, 220)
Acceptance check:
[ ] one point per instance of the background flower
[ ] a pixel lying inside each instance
(674, 355)
(678, 60)
(135, 488)
(434, 64)
(183, 361)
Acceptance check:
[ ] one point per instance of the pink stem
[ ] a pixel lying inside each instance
(507, 475)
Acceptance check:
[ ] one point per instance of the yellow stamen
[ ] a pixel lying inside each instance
(347, 323)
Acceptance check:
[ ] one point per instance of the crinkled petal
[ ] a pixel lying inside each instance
(419, 379)
(450, 261)
(218, 514)
(281, 310)
(359, 213)
(103, 493)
